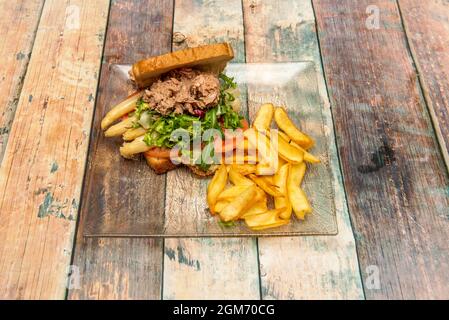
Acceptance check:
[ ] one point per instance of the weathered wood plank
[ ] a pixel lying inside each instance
(43, 165)
(319, 267)
(116, 268)
(206, 268)
(395, 177)
(17, 30)
(427, 29)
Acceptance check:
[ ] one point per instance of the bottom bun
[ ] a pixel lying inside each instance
(160, 165)
(163, 165)
(202, 173)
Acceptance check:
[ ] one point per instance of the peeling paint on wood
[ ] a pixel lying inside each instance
(427, 29)
(17, 32)
(39, 225)
(400, 229)
(116, 268)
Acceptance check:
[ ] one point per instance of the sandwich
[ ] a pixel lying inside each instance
(184, 91)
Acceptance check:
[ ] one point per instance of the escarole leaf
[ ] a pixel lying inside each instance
(160, 127)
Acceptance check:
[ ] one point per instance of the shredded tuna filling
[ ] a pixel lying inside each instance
(183, 90)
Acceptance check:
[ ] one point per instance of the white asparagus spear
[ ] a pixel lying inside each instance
(121, 109)
(121, 127)
(131, 148)
(133, 133)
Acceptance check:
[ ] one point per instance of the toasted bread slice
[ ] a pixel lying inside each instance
(160, 165)
(212, 58)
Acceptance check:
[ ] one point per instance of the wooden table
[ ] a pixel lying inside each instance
(385, 87)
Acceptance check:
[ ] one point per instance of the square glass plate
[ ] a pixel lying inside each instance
(124, 198)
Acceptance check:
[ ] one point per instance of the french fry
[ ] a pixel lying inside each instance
(274, 225)
(133, 133)
(280, 180)
(308, 157)
(216, 186)
(263, 169)
(240, 203)
(269, 179)
(285, 124)
(121, 127)
(299, 201)
(120, 110)
(296, 195)
(264, 116)
(265, 185)
(284, 136)
(244, 169)
(267, 155)
(232, 192)
(238, 179)
(128, 150)
(220, 204)
(258, 207)
(297, 172)
(265, 220)
(239, 159)
(289, 152)
(281, 162)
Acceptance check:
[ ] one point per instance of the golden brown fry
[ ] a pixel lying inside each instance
(308, 157)
(244, 169)
(286, 125)
(220, 204)
(232, 192)
(274, 225)
(280, 180)
(296, 195)
(267, 155)
(216, 186)
(259, 207)
(281, 162)
(265, 219)
(289, 152)
(265, 185)
(128, 150)
(284, 136)
(133, 133)
(297, 172)
(238, 206)
(238, 179)
(120, 110)
(299, 201)
(264, 117)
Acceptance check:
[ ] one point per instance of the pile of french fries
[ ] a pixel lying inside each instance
(277, 169)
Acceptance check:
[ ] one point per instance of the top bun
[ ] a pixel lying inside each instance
(211, 58)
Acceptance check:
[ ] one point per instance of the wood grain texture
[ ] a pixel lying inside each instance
(17, 30)
(427, 30)
(206, 268)
(395, 178)
(43, 165)
(319, 267)
(117, 268)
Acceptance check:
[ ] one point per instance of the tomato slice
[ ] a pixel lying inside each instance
(157, 152)
(244, 124)
(124, 117)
